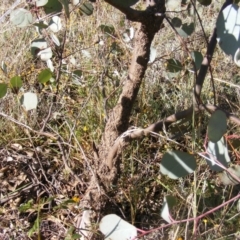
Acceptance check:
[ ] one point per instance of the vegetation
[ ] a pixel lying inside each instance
(100, 127)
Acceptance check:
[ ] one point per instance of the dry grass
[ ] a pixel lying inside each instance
(42, 180)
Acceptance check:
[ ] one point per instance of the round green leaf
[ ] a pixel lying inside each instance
(53, 6)
(15, 84)
(205, 2)
(176, 22)
(176, 164)
(217, 126)
(44, 76)
(21, 17)
(3, 89)
(173, 65)
(86, 8)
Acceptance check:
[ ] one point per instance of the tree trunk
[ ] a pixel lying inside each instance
(118, 120)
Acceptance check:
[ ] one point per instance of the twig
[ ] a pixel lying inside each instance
(207, 60)
(46, 134)
(190, 219)
(16, 193)
(66, 164)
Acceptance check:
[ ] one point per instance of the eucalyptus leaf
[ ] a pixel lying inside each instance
(176, 22)
(15, 84)
(55, 24)
(217, 126)
(37, 45)
(21, 17)
(53, 6)
(86, 8)
(3, 89)
(172, 5)
(228, 30)
(218, 151)
(237, 57)
(75, 2)
(44, 76)
(176, 164)
(4, 67)
(168, 203)
(173, 65)
(55, 39)
(153, 54)
(65, 4)
(50, 65)
(197, 58)
(186, 30)
(45, 54)
(29, 101)
(41, 25)
(40, 3)
(115, 228)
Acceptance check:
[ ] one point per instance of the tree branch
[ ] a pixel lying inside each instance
(207, 59)
(137, 15)
(132, 134)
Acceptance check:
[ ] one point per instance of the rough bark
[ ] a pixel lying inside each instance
(118, 120)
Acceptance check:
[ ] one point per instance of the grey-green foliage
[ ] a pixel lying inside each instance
(218, 151)
(3, 89)
(21, 17)
(197, 59)
(168, 203)
(217, 126)
(185, 30)
(86, 8)
(176, 164)
(228, 31)
(15, 84)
